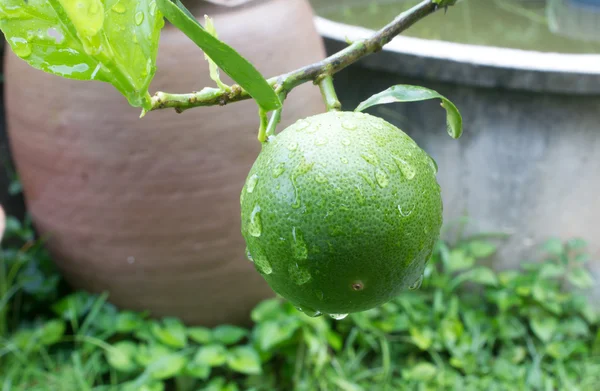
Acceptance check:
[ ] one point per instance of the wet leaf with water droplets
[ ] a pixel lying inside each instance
(87, 42)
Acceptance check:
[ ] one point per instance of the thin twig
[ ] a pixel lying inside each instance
(313, 72)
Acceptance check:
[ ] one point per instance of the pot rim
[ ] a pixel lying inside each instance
(485, 60)
(474, 54)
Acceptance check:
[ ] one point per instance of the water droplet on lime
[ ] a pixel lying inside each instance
(417, 284)
(319, 294)
(255, 225)
(299, 245)
(309, 311)
(262, 264)
(252, 181)
(278, 170)
(338, 316)
(302, 124)
(367, 178)
(370, 158)
(320, 178)
(320, 141)
(406, 168)
(292, 145)
(360, 198)
(382, 178)
(406, 211)
(345, 142)
(248, 255)
(299, 274)
(348, 125)
(139, 18)
(433, 165)
(344, 160)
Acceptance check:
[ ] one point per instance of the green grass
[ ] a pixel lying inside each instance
(467, 328)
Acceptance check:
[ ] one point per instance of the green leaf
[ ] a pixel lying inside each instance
(266, 310)
(232, 63)
(167, 366)
(121, 356)
(202, 335)
(212, 66)
(51, 332)
(480, 275)
(211, 355)
(552, 270)
(114, 41)
(543, 327)
(271, 333)
(574, 327)
(580, 278)
(197, 370)
(148, 353)
(228, 335)
(421, 372)
(335, 340)
(244, 359)
(407, 93)
(459, 260)
(451, 330)
(576, 243)
(559, 350)
(171, 332)
(422, 337)
(74, 306)
(128, 321)
(553, 246)
(481, 249)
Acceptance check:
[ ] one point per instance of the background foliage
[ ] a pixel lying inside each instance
(467, 328)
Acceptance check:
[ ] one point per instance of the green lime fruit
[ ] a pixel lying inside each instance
(340, 212)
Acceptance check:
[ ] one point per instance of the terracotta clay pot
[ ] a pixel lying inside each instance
(148, 209)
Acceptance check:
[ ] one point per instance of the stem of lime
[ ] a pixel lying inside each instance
(328, 93)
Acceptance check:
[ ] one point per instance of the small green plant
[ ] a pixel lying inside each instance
(467, 328)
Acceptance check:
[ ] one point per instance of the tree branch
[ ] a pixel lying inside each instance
(313, 72)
